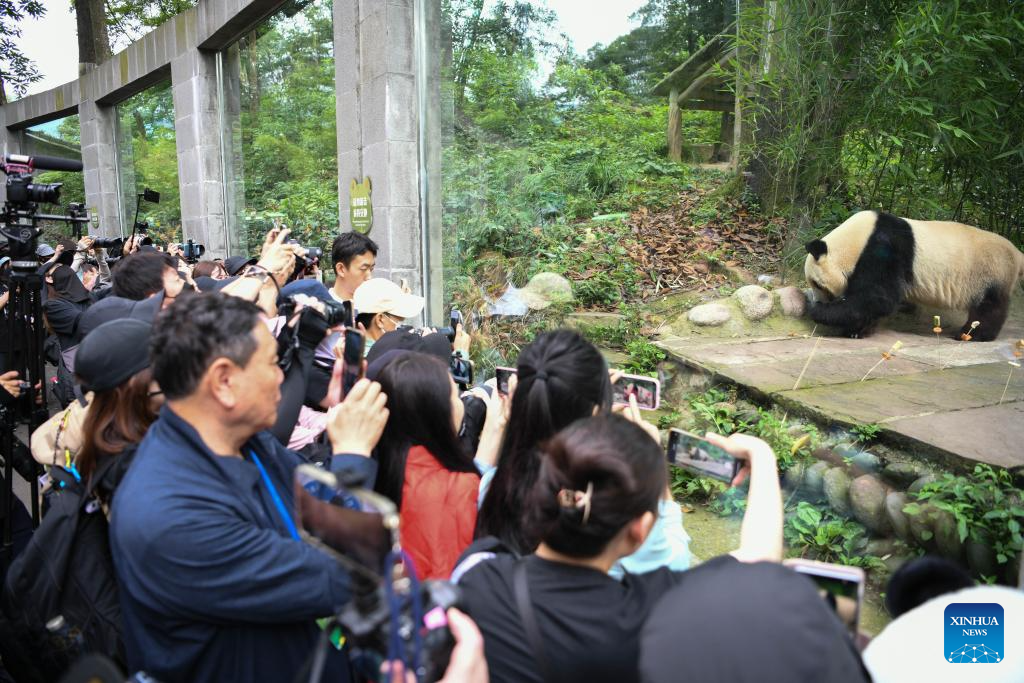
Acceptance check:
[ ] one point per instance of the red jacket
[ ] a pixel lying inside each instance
(438, 513)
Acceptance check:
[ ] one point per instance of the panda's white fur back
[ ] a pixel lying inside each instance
(953, 263)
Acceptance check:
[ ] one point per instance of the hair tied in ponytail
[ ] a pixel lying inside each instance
(541, 375)
(569, 498)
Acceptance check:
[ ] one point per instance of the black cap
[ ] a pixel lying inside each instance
(234, 264)
(116, 308)
(112, 353)
(746, 622)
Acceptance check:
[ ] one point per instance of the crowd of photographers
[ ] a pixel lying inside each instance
(194, 394)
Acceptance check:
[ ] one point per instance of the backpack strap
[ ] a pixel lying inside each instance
(521, 586)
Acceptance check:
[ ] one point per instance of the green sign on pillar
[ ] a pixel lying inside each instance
(360, 208)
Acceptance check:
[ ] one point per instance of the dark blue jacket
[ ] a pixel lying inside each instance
(213, 587)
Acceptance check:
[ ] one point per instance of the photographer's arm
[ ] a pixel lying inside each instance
(311, 328)
(354, 427)
(103, 266)
(761, 533)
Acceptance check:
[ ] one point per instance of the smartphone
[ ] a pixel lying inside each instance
(647, 391)
(840, 586)
(502, 377)
(700, 456)
(352, 359)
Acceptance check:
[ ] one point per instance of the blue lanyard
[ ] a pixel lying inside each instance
(277, 498)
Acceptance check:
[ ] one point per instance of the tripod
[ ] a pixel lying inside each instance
(24, 310)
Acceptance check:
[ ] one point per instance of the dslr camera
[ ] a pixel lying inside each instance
(192, 252)
(333, 312)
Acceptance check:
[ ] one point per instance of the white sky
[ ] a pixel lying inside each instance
(52, 44)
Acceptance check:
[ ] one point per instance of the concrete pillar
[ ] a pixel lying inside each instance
(200, 161)
(377, 129)
(5, 148)
(98, 134)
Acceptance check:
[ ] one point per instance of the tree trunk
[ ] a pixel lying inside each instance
(93, 42)
(675, 127)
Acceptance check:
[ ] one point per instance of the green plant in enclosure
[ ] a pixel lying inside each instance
(988, 508)
(823, 535)
(643, 356)
(690, 487)
(866, 433)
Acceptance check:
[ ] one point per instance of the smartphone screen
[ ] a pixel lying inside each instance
(502, 376)
(647, 391)
(841, 587)
(352, 360)
(699, 456)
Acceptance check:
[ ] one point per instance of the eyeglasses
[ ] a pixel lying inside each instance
(153, 394)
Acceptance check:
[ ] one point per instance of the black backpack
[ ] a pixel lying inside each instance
(60, 597)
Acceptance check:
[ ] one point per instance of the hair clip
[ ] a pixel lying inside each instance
(570, 498)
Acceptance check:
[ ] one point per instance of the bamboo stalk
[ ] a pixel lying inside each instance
(809, 357)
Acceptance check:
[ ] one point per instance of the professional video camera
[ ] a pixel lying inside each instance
(392, 616)
(24, 312)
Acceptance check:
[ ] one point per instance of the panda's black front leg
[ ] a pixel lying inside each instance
(856, 314)
(845, 315)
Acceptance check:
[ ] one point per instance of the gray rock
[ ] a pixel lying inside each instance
(751, 417)
(867, 501)
(921, 482)
(981, 558)
(766, 280)
(1012, 571)
(896, 561)
(545, 289)
(866, 462)
(795, 430)
(947, 537)
(756, 302)
(793, 301)
(898, 520)
(814, 478)
(837, 490)
(921, 527)
(794, 476)
(902, 474)
(880, 547)
(709, 315)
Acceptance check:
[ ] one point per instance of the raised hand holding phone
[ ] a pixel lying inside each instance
(355, 425)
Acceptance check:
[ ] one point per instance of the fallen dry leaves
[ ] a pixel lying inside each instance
(676, 254)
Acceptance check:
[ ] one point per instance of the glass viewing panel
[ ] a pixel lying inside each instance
(148, 157)
(58, 138)
(278, 123)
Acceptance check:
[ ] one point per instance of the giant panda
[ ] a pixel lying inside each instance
(864, 269)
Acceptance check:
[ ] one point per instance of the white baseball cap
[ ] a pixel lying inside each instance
(380, 295)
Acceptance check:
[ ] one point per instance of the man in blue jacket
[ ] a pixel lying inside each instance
(214, 581)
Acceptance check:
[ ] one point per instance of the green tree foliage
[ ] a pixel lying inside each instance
(17, 72)
(149, 158)
(529, 157)
(669, 31)
(288, 140)
(911, 107)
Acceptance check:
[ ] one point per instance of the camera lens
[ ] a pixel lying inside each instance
(48, 193)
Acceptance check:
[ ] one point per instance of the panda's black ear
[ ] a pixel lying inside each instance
(816, 248)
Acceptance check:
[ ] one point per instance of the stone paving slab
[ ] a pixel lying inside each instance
(937, 396)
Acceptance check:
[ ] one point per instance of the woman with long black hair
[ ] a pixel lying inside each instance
(562, 378)
(423, 466)
(556, 614)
